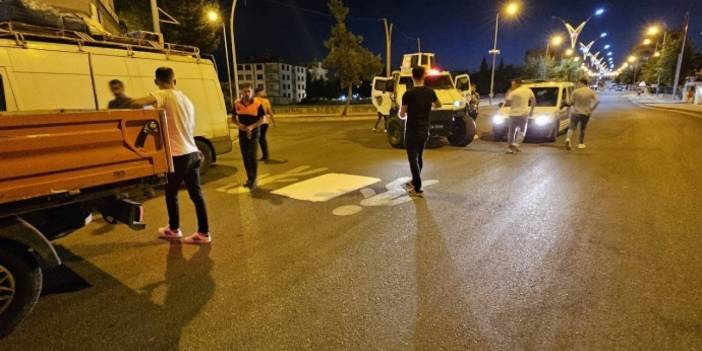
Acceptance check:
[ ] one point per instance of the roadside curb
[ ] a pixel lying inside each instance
(668, 109)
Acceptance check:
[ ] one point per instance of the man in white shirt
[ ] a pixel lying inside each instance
(583, 101)
(180, 115)
(521, 101)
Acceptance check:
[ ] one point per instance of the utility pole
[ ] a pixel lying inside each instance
(494, 52)
(155, 17)
(419, 45)
(682, 53)
(235, 67)
(388, 47)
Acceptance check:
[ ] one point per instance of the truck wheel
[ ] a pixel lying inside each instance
(20, 286)
(462, 132)
(396, 134)
(208, 156)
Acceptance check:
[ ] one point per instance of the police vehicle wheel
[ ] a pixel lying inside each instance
(207, 156)
(462, 132)
(20, 286)
(396, 134)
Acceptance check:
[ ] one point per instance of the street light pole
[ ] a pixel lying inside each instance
(234, 65)
(388, 47)
(229, 70)
(155, 17)
(681, 55)
(494, 52)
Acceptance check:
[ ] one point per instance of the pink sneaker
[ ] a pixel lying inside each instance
(169, 234)
(198, 239)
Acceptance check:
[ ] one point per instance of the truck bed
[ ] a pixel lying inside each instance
(51, 153)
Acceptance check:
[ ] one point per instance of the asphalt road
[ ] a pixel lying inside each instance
(545, 250)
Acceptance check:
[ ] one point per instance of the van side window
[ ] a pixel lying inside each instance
(3, 104)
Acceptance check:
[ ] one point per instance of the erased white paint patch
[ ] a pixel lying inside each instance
(325, 187)
(347, 210)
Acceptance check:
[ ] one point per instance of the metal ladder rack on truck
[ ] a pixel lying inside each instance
(45, 68)
(451, 121)
(58, 168)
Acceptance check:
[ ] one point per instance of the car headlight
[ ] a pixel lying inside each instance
(542, 120)
(498, 119)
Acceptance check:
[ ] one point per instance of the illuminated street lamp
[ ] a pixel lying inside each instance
(569, 52)
(511, 10)
(631, 59)
(574, 32)
(606, 47)
(647, 41)
(653, 30)
(555, 41)
(657, 54)
(603, 35)
(214, 18)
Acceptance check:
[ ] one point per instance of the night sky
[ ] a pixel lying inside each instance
(458, 31)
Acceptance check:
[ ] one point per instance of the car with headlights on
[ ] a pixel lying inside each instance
(551, 114)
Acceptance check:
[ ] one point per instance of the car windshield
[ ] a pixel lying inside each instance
(439, 82)
(546, 96)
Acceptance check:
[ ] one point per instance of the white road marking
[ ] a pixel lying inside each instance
(347, 210)
(325, 187)
(287, 177)
(395, 195)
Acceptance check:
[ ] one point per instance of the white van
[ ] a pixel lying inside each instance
(551, 113)
(44, 70)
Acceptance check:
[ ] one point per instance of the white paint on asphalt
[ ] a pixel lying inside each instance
(325, 187)
(287, 177)
(395, 195)
(347, 210)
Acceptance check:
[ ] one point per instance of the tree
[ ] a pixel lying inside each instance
(567, 69)
(194, 29)
(353, 62)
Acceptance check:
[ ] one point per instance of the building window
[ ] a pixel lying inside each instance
(260, 86)
(241, 77)
(259, 66)
(249, 77)
(259, 76)
(240, 67)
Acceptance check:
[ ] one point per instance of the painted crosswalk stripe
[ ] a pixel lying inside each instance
(326, 187)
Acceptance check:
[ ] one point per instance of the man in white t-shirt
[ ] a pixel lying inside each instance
(180, 115)
(521, 101)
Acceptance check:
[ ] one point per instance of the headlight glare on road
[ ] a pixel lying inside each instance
(498, 119)
(542, 120)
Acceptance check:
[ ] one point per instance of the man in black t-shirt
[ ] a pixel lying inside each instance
(416, 108)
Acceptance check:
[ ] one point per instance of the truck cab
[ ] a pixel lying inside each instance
(450, 121)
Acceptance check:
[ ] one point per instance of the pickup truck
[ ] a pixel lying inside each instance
(57, 169)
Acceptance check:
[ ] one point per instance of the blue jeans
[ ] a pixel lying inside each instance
(516, 129)
(576, 119)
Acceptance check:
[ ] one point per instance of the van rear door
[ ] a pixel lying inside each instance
(381, 94)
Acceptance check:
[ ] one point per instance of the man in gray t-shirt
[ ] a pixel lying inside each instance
(583, 102)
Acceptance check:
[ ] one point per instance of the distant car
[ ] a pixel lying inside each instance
(551, 114)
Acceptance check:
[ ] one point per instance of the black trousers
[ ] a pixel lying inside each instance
(186, 169)
(576, 119)
(249, 150)
(415, 141)
(262, 140)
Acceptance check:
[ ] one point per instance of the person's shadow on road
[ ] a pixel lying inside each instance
(443, 315)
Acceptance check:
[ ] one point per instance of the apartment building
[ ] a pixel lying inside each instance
(285, 84)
